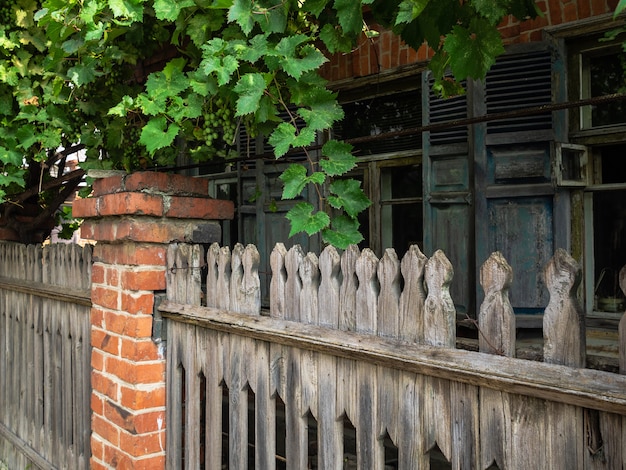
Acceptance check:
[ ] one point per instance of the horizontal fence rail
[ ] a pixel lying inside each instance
(355, 366)
(45, 356)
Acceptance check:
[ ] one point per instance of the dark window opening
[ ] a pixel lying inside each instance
(381, 115)
(606, 76)
(609, 231)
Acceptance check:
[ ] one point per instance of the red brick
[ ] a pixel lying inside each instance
(112, 276)
(97, 404)
(85, 208)
(200, 208)
(584, 9)
(97, 449)
(136, 373)
(140, 350)
(130, 204)
(599, 7)
(134, 326)
(151, 421)
(108, 185)
(123, 461)
(105, 297)
(151, 279)
(106, 430)
(94, 464)
(570, 12)
(97, 273)
(134, 254)
(104, 385)
(167, 183)
(97, 360)
(142, 445)
(103, 341)
(136, 423)
(97, 317)
(134, 399)
(137, 303)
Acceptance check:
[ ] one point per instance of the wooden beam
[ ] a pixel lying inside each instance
(587, 388)
(63, 294)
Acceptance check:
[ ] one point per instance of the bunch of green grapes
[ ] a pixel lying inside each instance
(133, 153)
(74, 123)
(219, 126)
(7, 12)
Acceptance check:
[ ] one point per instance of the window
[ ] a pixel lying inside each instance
(390, 168)
(603, 74)
(597, 161)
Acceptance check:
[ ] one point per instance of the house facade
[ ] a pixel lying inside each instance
(529, 160)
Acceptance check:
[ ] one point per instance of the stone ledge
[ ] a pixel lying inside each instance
(151, 230)
(152, 182)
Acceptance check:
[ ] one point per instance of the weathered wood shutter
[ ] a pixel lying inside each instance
(518, 210)
(448, 211)
(261, 208)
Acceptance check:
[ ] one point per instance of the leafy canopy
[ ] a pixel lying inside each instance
(135, 82)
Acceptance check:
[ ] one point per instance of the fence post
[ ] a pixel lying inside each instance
(133, 218)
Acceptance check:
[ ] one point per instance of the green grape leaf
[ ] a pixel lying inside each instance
(315, 6)
(274, 18)
(311, 59)
(11, 157)
(82, 73)
(350, 15)
(409, 10)
(170, 9)
(122, 108)
(282, 138)
(27, 136)
(493, 10)
(250, 88)
(621, 6)
(171, 81)
(241, 13)
(322, 115)
(295, 179)
(339, 158)
(130, 9)
(334, 39)
(344, 232)
(348, 196)
(157, 134)
(473, 51)
(303, 219)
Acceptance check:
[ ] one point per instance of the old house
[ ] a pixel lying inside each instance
(525, 184)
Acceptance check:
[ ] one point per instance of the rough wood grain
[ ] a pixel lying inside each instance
(563, 320)
(278, 281)
(622, 326)
(439, 311)
(413, 295)
(496, 319)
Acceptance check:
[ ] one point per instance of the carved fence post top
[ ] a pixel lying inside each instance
(366, 265)
(562, 270)
(438, 271)
(309, 268)
(495, 273)
(622, 279)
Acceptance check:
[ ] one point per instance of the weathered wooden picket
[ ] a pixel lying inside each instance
(355, 366)
(45, 356)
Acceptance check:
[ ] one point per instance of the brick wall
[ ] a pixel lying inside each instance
(133, 218)
(387, 52)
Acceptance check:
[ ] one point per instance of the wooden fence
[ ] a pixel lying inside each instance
(45, 356)
(355, 366)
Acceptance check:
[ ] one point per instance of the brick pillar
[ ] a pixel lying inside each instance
(133, 218)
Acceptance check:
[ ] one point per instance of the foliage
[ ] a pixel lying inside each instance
(130, 80)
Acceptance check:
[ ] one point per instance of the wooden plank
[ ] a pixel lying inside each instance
(583, 387)
(174, 384)
(370, 452)
(563, 319)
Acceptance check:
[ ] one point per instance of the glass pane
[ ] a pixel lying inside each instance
(402, 226)
(606, 76)
(404, 181)
(609, 215)
(374, 116)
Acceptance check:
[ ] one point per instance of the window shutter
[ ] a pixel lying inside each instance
(517, 82)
